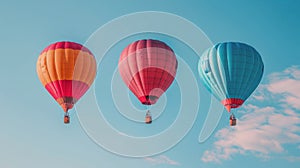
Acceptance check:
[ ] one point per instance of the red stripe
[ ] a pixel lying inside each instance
(154, 82)
(140, 44)
(67, 88)
(66, 45)
(230, 103)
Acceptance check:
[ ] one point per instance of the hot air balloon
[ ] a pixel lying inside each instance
(231, 71)
(67, 70)
(148, 67)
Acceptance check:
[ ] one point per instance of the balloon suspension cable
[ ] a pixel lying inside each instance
(232, 115)
(148, 113)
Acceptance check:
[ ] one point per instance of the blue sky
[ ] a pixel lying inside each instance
(32, 132)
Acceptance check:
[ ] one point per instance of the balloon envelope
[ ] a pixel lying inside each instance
(66, 69)
(148, 68)
(231, 71)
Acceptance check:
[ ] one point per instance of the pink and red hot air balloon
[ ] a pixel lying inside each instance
(148, 68)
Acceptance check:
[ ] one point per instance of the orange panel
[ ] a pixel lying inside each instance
(66, 64)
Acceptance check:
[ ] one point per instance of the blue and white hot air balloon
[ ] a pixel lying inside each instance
(231, 71)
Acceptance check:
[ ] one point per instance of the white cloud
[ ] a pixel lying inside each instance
(287, 84)
(264, 130)
(162, 159)
(259, 97)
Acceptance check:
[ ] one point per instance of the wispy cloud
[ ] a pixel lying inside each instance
(293, 158)
(264, 130)
(162, 159)
(287, 84)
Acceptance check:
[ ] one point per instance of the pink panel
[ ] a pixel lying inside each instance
(67, 88)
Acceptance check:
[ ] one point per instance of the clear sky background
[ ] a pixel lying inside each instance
(32, 133)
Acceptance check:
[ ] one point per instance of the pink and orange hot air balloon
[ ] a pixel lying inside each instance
(148, 68)
(67, 70)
